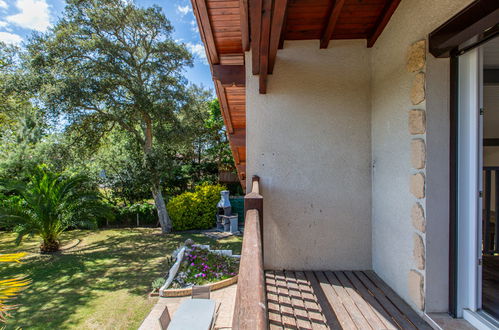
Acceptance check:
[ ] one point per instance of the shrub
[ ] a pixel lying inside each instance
(51, 203)
(195, 210)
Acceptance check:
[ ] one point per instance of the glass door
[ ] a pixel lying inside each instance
(489, 284)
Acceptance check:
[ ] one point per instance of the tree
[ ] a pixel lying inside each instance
(22, 125)
(48, 205)
(109, 64)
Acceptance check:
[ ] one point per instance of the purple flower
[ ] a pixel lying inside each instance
(192, 264)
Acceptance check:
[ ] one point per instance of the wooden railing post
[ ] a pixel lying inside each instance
(254, 201)
(250, 310)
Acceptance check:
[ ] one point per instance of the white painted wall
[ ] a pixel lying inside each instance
(309, 141)
(391, 83)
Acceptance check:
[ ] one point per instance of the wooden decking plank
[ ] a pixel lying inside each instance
(352, 309)
(302, 318)
(327, 297)
(287, 314)
(401, 304)
(314, 310)
(388, 321)
(366, 309)
(275, 321)
(385, 302)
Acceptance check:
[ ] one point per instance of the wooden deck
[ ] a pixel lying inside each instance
(336, 300)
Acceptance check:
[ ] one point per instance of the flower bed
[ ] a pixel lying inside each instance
(201, 266)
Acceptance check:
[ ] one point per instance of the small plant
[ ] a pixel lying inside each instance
(158, 283)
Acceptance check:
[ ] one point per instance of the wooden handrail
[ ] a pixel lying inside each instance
(250, 310)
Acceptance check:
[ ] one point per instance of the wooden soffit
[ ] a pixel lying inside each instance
(228, 28)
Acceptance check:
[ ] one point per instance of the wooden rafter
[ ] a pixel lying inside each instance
(264, 45)
(243, 11)
(278, 16)
(331, 23)
(382, 21)
(237, 157)
(255, 26)
(224, 105)
(230, 75)
(201, 13)
(283, 31)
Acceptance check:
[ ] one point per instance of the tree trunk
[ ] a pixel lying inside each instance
(49, 245)
(164, 219)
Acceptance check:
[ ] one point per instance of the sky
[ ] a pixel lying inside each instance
(20, 18)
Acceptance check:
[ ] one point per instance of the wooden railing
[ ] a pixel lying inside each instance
(490, 228)
(250, 311)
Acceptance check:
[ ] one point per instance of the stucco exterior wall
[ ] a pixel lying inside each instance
(309, 141)
(392, 201)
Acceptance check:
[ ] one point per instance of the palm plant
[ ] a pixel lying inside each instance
(11, 287)
(49, 204)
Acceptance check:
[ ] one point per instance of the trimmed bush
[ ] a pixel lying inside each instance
(195, 210)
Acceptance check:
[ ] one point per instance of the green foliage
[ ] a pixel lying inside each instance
(49, 204)
(157, 283)
(103, 95)
(195, 210)
(127, 215)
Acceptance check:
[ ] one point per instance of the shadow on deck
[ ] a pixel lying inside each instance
(336, 300)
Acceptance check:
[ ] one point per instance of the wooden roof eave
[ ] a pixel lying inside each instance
(225, 75)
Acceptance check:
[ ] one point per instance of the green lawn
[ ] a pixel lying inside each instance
(101, 282)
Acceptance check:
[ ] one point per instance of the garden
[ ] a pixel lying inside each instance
(110, 160)
(100, 280)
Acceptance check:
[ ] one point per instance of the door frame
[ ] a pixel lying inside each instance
(468, 29)
(469, 186)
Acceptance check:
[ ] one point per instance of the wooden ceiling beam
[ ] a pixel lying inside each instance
(283, 31)
(243, 11)
(230, 74)
(278, 15)
(331, 23)
(382, 21)
(264, 45)
(219, 88)
(255, 7)
(203, 19)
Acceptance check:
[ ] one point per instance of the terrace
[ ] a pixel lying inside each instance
(310, 299)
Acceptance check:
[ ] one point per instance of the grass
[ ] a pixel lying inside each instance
(101, 280)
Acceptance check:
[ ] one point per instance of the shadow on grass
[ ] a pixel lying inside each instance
(125, 259)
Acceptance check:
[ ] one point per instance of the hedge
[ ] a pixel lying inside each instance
(195, 210)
